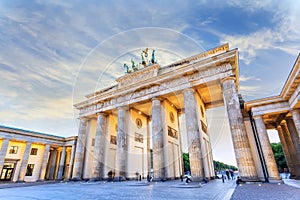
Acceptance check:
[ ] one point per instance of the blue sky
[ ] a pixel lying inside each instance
(53, 52)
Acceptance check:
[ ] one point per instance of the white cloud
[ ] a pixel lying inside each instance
(285, 35)
(243, 78)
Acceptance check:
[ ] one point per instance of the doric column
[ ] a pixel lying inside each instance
(266, 149)
(44, 162)
(193, 134)
(285, 149)
(148, 148)
(71, 163)
(61, 163)
(239, 136)
(121, 153)
(23, 168)
(99, 147)
(157, 140)
(296, 143)
(296, 119)
(80, 150)
(3, 151)
(291, 149)
(53, 164)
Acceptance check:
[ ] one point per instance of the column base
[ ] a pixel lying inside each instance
(275, 180)
(96, 179)
(250, 179)
(119, 179)
(19, 181)
(159, 179)
(76, 179)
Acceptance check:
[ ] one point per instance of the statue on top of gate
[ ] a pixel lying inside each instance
(145, 62)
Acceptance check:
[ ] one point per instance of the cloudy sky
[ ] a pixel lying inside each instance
(54, 52)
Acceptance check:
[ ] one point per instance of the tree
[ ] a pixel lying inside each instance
(218, 165)
(186, 162)
(279, 156)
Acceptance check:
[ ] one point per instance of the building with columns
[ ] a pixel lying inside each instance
(282, 113)
(134, 128)
(31, 156)
(120, 124)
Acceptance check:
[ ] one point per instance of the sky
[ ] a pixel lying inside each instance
(53, 53)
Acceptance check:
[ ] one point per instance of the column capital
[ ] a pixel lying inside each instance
(257, 116)
(283, 123)
(126, 107)
(189, 89)
(227, 79)
(101, 114)
(157, 98)
(279, 128)
(83, 119)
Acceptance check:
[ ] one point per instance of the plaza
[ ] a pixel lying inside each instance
(214, 190)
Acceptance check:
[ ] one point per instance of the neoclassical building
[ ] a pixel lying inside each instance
(282, 113)
(31, 156)
(120, 124)
(134, 128)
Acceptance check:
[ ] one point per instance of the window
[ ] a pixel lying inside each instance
(13, 150)
(29, 170)
(93, 142)
(33, 151)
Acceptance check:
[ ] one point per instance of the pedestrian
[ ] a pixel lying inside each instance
(227, 174)
(223, 177)
(231, 174)
(238, 180)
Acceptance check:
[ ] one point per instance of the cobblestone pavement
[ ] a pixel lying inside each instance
(266, 191)
(214, 190)
(122, 190)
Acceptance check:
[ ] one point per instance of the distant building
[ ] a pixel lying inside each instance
(31, 156)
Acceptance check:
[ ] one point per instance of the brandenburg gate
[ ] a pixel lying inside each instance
(133, 128)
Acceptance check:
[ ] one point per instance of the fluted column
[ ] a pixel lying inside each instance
(61, 163)
(80, 150)
(296, 119)
(53, 164)
(71, 163)
(148, 148)
(99, 147)
(157, 140)
(193, 134)
(44, 162)
(23, 168)
(285, 149)
(121, 153)
(266, 149)
(296, 143)
(3, 151)
(291, 149)
(239, 136)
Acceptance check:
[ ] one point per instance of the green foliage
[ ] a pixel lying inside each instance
(218, 165)
(186, 162)
(279, 156)
(222, 166)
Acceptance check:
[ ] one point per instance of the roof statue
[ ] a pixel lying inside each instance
(127, 69)
(145, 62)
(153, 57)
